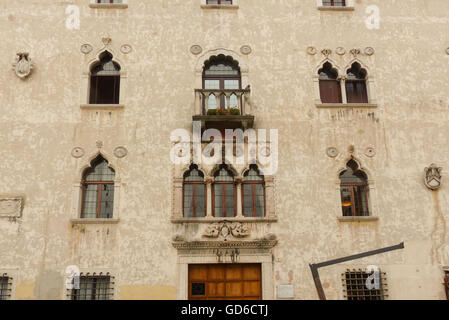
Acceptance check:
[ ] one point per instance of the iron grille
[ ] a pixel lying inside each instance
(93, 287)
(5, 287)
(355, 286)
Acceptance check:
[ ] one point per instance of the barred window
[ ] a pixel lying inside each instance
(93, 287)
(5, 287)
(334, 3)
(355, 286)
(98, 190)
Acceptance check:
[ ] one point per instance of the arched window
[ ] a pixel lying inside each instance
(354, 191)
(356, 84)
(98, 190)
(253, 190)
(224, 193)
(194, 193)
(330, 89)
(105, 81)
(221, 73)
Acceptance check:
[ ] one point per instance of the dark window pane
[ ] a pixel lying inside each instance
(100, 172)
(330, 91)
(198, 289)
(247, 200)
(188, 200)
(107, 201)
(200, 200)
(230, 200)
(346, 200)
(218, 191)
(90, 201)
(260, 200)
(360, 197)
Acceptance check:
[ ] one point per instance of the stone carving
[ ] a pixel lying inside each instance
(340, 51)
(126, 48)
(77, 152)
(23, 65)
(311, 50)
(355, 52)
(11, 207)
(369, 51)
(432, 179)
(106, 41)
(370, 152)
(86, 48)
(225, 228)
(332, 152)
(246, 50)
(120, 152)
(326, 52)
(196, 49)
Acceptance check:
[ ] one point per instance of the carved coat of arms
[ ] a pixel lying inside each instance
(225, 228)
(23, 65)
(432, 178)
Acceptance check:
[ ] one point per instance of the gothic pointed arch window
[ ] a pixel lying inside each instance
(330, 89)
(356, 90)
(354, 190)
(194, 193)
(105, 81)
(224, 193)
(253, 193)
(98, 190)
(222, 74)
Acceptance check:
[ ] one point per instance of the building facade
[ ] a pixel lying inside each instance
(99, 180)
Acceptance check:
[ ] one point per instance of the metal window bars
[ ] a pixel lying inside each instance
(5, 287)
(355, 286)
(93, 286)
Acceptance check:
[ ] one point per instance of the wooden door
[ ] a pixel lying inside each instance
(225, 282)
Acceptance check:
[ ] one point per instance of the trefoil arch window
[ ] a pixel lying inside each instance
(98, 190)
(105, 81)
(194, 193)
(330, 89)
(354, 190)
(356, 91)
(253, 193)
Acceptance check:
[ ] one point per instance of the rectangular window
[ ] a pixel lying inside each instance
(5, 287)
(334, 3)
(95, 287)
(219, 2)
(360, 285)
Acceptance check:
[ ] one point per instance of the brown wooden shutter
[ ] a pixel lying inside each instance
(330, 91)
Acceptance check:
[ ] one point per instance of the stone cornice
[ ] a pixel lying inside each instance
(254, 244)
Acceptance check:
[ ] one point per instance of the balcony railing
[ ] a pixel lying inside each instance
(233, 106)
(223, 100)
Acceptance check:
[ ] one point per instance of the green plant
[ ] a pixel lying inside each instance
(234, 111)
(211, 112)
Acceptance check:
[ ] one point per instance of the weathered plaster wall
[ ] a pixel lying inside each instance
(41, 122)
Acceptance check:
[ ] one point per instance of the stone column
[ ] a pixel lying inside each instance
(343, 89)
(238, 181)
(209, 181)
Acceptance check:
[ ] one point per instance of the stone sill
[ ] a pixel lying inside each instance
(94, 221)
(212, 220)
(338, 8)
(358, 219)
(109, 5)
(102, 106)
(346, 105)
(219, 6)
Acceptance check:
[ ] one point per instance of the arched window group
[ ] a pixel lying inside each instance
(224, 193)
(98, 190)
(354, 190)
(354, 84)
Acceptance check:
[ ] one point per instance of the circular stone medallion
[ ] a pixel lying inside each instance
(196, 49)
(77, 152)
(332, 152)
(120, 152)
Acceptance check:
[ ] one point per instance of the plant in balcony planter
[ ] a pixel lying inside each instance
(234, 111)
(212, 112)
(222, 112)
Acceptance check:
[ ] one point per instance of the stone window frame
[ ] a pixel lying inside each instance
(370, 86)
(77, 198)
(95, 5)
(372, 200)
(113, 272)
(85, 83)
(348, 7)
(12, 274)
(234, 5)
(178, 183)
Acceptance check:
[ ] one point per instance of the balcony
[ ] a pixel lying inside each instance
(228, 109)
